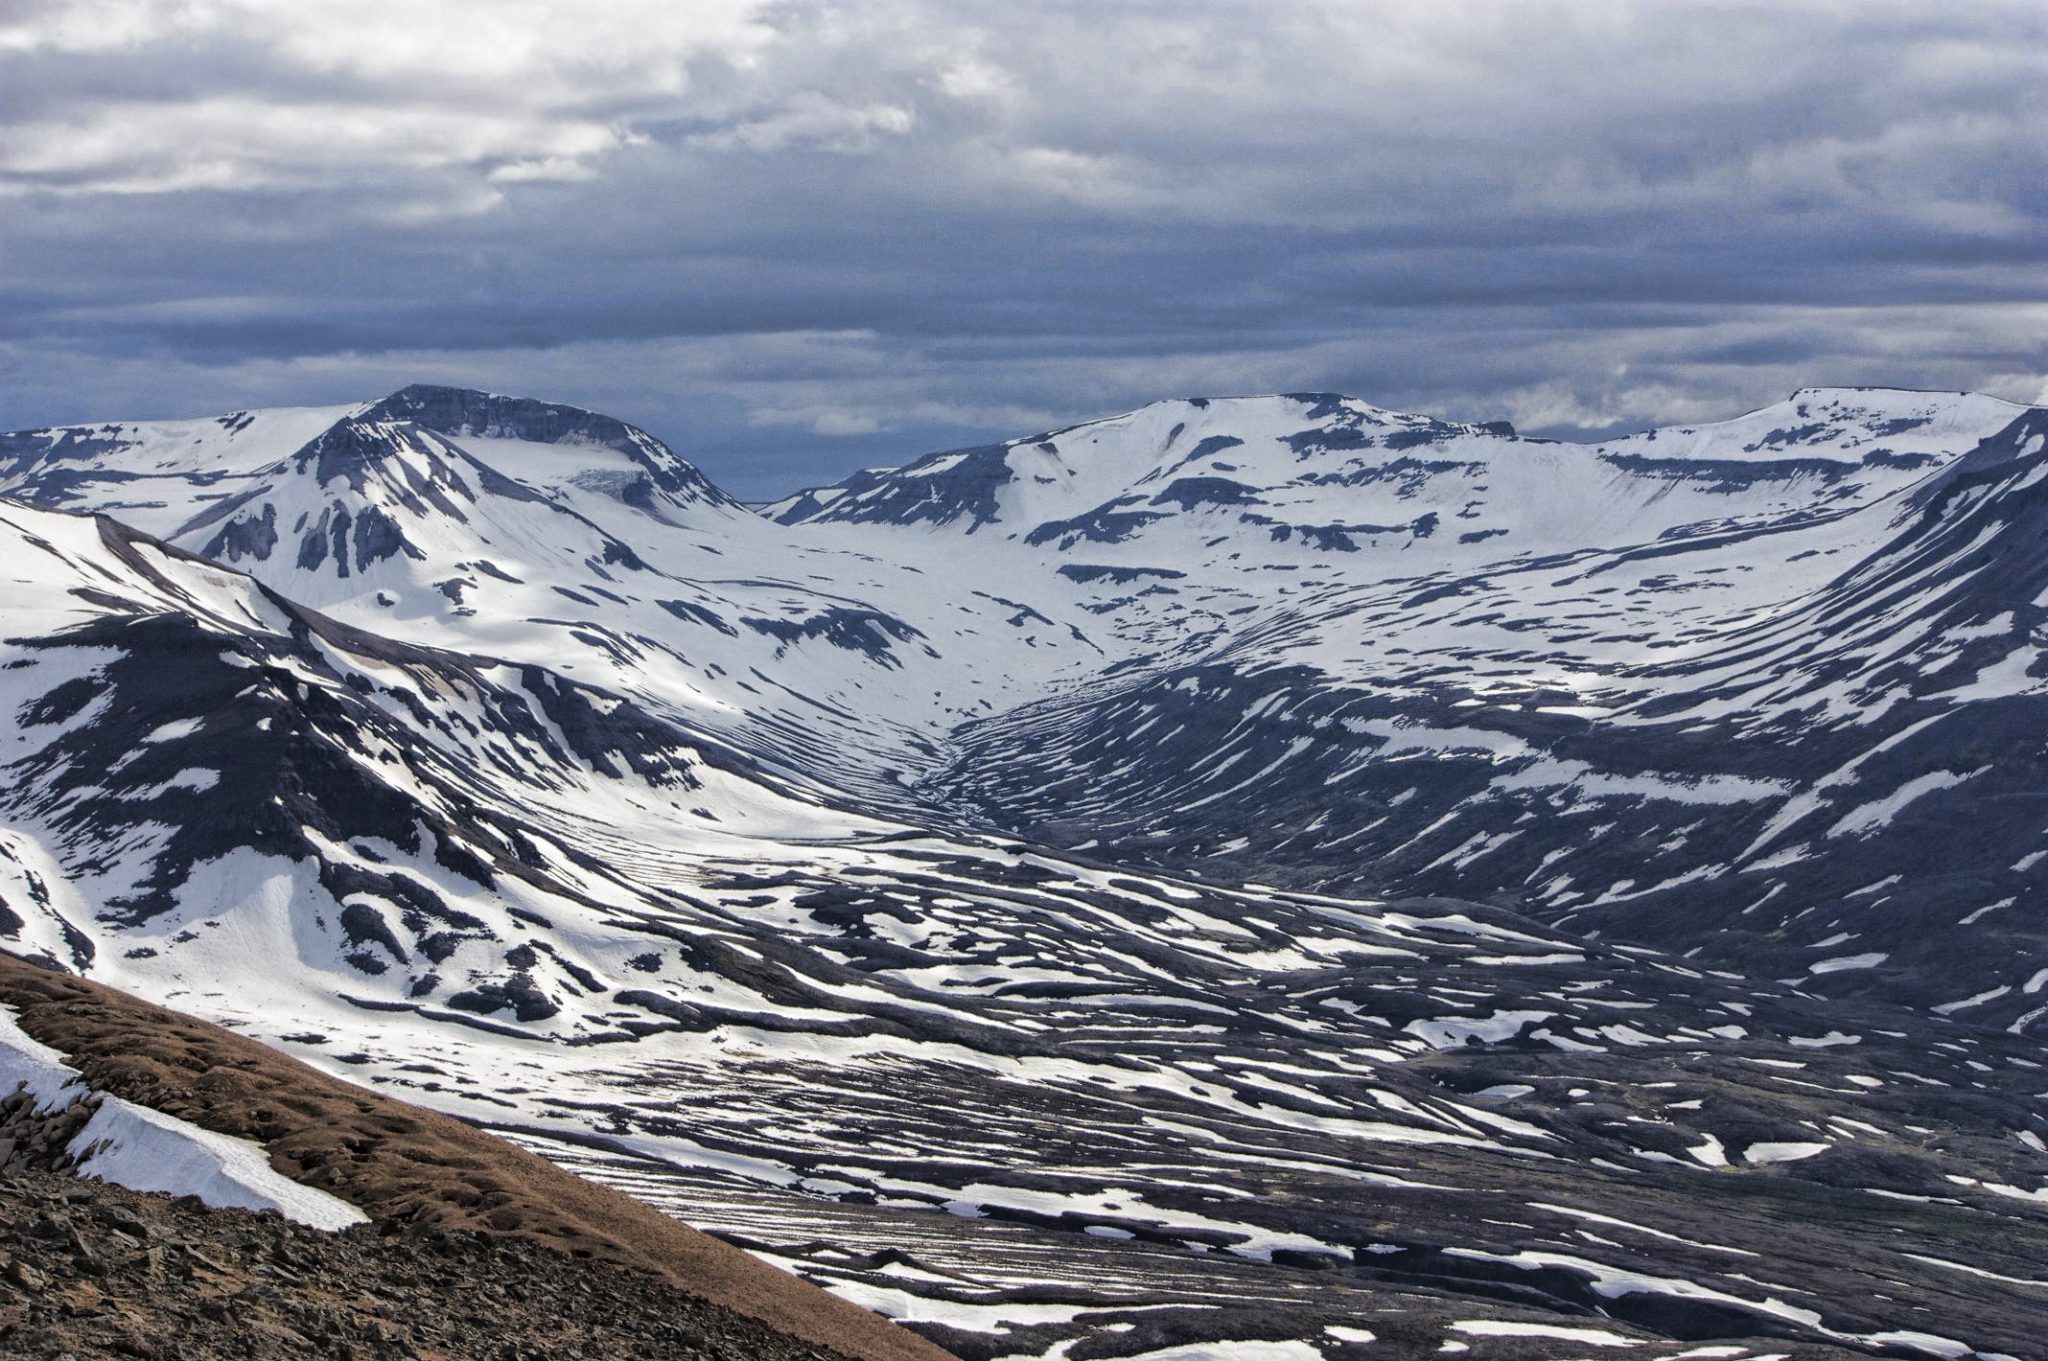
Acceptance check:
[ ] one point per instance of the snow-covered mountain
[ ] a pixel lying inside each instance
(1390, 874)
(546, 535)
(1807, 748)
(1185, 483)
(1745, 689)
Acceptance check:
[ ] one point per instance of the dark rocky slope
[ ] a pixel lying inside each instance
(89, 1269)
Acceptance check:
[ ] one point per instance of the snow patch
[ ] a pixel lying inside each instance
(146, 1150)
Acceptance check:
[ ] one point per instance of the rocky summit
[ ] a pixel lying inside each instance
(1265, 877)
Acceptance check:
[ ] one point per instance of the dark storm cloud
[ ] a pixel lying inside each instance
(796, 237)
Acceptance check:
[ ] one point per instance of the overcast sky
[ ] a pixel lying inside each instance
(795, 238)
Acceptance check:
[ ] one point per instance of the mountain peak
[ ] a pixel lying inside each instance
(1906, 427)
(469, 413)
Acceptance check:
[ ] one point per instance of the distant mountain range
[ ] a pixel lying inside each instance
(1303, 869)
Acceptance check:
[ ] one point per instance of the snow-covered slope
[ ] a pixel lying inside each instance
(1090, 637)
(1803, 750)
(547, 535)
(540, 782)
(153, 473)
(1200, 483)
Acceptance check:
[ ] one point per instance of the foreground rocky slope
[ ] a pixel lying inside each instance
(684, 847)
(92, 1269)
(419, 1177)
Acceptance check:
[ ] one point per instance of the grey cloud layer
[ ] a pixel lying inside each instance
(801, 236)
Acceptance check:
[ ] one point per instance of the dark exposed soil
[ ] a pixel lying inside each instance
(418, 1175)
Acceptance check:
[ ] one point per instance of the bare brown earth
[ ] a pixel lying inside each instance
(413, 1170)
(93, 1270)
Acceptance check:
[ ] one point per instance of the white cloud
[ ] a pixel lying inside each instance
(932, 218)
(236, 142)
(283, 94)
(1218, 110)
(971, 78)
(36, 26)
(811, 122)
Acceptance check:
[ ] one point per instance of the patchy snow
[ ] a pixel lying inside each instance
(1449, 1032)
(1709, 1153)
(1839, 963)
(1378, 625)
(1592, 1337)
(1782, 1152)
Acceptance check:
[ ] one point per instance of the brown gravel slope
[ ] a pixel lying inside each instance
(406, 1166)
(92, 1270)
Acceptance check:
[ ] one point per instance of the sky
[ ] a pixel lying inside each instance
(793, 239)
